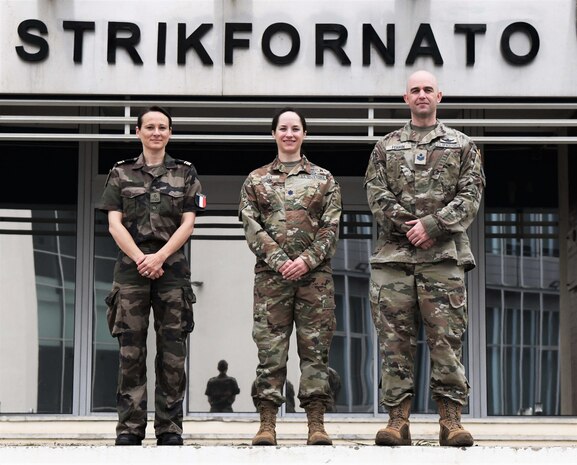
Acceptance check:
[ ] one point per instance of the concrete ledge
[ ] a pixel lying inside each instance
(516, 432)
(334, 455)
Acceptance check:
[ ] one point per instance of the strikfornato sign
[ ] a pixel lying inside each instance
(297, 48)
(328, 37)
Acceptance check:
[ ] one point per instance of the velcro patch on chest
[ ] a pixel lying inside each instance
(318, 177)
(270, 179)
(448, 143)
(399, 146)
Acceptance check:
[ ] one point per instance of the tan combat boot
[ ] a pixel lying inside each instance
(266, 435)
(397, 432)
(317, 434)
(452, 432)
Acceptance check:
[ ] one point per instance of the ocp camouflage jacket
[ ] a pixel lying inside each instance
(289, 213)
(438, 180)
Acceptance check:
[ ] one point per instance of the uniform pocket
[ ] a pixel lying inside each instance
(132, 199)
(171, 203)
(272, 196)
(374, 298)
(458, 297)
(398, 175)
(308, 196)
(112, 300)
(260, 327)
(188, 314)
(446, 173)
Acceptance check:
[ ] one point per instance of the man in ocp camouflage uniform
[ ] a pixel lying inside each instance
(424, 184)
(152, 201)
(291, 210)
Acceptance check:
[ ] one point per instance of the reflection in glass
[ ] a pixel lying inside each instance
(37, 284)
(352, 349)
(105, 347)
(223, 315)
(222, 277)
(522, 312)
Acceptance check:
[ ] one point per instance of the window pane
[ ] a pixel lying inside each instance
(522, 294)
(105, 347)
(37, 284)
(223, 314)
(352, 348)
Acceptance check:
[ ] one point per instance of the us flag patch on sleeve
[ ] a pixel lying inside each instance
(200, 200)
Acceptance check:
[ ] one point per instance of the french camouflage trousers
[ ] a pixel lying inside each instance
(309, 304)
(171, 298)
(403, 295)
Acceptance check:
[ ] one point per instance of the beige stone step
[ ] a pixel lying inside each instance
(238, 430)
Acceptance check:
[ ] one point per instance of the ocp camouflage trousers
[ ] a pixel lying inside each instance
(129, 303)
(308, 304)
(399, 294)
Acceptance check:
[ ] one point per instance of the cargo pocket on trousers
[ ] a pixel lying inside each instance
(374, 299)
(458, 297)
(260, 326)
(187, 313)
(112, 300)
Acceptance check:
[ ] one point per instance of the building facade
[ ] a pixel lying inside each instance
(74, 75)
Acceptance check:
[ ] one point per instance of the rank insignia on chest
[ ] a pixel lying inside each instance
(155, 197)
(420, 158)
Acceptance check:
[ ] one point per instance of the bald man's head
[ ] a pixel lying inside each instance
(423, 95)
(422, 76)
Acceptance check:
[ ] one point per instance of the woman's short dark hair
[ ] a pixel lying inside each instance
(285, 110)
(164, 111)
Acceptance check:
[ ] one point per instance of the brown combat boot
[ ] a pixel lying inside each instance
(397, 432)
(317, 434)
(452, 432)
(266, 435)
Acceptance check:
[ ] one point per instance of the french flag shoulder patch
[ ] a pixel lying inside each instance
(200, 200)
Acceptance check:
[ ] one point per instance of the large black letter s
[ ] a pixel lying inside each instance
(24, 32)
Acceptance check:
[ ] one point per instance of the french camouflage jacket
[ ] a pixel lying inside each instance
(438, 180)
(152, 198)
(289, 213)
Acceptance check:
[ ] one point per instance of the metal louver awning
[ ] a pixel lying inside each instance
(246, 121)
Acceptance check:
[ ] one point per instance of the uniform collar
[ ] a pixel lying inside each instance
(408, 135)
(169, 162)
(303, 165)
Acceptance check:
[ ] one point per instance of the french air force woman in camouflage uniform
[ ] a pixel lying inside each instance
(291, 210)
(152, 202)
(424, 184)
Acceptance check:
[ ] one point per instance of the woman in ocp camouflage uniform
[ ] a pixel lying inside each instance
(291, 210)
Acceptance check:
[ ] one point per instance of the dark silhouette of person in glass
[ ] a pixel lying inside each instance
(222, 390)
